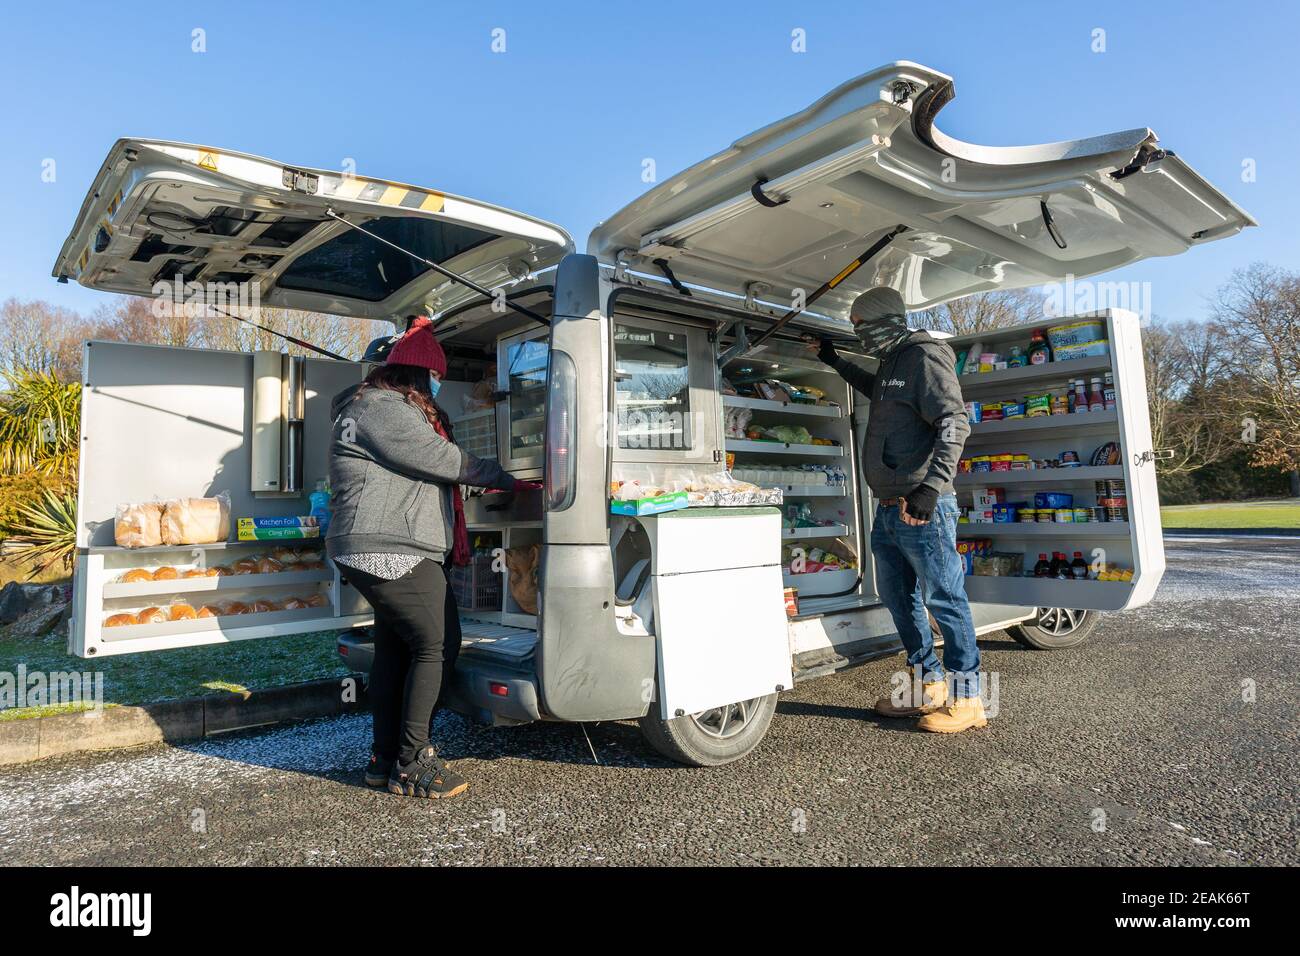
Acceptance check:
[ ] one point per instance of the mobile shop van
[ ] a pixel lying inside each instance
(662, 356)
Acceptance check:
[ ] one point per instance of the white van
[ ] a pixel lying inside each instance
(631, 362)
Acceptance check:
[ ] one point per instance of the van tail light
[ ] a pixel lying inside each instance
(560, 479)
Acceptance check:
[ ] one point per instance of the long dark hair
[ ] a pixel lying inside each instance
(412, 382)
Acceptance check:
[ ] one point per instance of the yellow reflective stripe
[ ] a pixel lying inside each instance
(392, 196)
(432, 203)
(349, 187)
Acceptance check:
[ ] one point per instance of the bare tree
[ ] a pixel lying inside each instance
(1259, 310)
(982, 311)
(1184, 376)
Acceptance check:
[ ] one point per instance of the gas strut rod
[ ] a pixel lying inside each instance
(825, 287)
(468, 283)
(292, 340)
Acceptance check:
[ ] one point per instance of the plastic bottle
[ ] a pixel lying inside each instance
(1017, 357)
(1079, 567)
(1108, 392)
(1080, 396)
(1096, 400)
(320, 506)
(1042, 569)
(1040, 353)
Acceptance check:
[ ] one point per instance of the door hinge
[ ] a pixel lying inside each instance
(299, 181)
(717, 454)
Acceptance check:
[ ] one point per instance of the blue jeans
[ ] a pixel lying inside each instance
(917, 567)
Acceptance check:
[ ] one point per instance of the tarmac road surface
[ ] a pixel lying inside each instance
(1141, 747)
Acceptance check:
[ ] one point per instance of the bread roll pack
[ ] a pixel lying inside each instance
(196, 520)
(149, 524)
(138, 525)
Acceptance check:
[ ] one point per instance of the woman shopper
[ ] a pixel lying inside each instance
(397, 520)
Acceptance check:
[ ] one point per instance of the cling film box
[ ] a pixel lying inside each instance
(649, 506)
(277, 529)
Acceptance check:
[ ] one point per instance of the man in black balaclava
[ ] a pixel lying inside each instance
(916, 427)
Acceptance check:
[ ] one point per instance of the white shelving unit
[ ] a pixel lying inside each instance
(1044, 529)
(787, 464)
(1039, 476)
(828, 531)
(784, 448)
(784, 408)
(1135, 543)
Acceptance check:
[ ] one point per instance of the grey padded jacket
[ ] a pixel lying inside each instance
(391, 477)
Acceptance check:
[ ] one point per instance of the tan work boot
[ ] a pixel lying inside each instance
(933, 696)
(962, 714)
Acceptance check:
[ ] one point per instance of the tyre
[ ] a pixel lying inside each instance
(1055, 629)
(711, 737)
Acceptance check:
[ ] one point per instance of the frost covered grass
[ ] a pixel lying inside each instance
(235, 667)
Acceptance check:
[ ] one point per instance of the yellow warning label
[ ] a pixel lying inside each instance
(208, 159)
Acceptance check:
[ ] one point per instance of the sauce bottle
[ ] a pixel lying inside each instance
(1096, 401)
(1108, 392)
(1079, 567)
(1042, 569)
(1080, 396)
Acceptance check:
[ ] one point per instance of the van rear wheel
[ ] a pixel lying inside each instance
(1055, 628)
(711, 737)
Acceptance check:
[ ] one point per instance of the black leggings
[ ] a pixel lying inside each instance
(417, 638)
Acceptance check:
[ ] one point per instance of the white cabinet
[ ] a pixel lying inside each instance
(719, 614)
(1130, 539)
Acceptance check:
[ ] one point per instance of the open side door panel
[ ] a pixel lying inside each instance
(790, 205)
(1112, 489)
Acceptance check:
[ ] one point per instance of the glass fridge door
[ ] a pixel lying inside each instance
(522, 373)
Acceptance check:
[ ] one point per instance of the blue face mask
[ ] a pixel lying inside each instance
(434, 385)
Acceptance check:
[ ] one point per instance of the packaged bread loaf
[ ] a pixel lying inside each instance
(138, 525)
(196, 520)
(121, 620)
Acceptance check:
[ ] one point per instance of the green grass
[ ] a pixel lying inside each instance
(234, 667)
(1269, 513)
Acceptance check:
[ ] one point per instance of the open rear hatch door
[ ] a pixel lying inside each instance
(158, 210)
(790, 205)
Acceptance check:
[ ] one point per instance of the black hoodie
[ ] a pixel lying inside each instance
(917, 423)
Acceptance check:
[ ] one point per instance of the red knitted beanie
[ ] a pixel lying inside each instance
(418, 347)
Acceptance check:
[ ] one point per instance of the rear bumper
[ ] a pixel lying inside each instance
(481, 689)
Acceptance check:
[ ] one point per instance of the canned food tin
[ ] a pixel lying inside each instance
(1065, 515)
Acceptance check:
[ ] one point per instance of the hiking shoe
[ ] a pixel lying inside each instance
(426, 776)
(378, 771)
(905, 704)
(962, 714)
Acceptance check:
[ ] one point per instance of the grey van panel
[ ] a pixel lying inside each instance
(586, 668)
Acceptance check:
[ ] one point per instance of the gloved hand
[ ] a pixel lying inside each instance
(920, 502)
(826, 352)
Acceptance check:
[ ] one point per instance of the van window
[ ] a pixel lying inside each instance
(355, 266)
(651, 387)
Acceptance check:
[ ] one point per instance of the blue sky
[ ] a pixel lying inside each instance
(558, 125)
